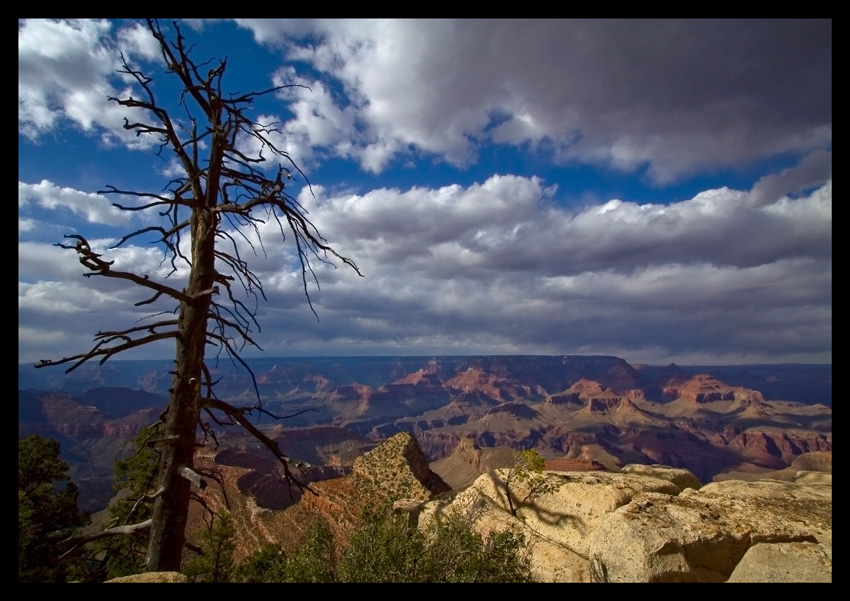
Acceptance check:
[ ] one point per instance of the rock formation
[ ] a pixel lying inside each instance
(702, 536)
(646, 523)
(785, 562)
(656, 524)
(399, 467)
(566, 407)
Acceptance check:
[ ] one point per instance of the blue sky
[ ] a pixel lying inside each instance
(655, 190)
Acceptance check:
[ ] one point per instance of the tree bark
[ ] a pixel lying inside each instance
(170, 512)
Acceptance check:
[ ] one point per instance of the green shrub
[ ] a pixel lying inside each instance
(216, 563)
(383, 549)
(47, 511)
(266, 565)
(386, 549)
(316, 560)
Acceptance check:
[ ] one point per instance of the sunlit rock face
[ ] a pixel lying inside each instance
(656, 524)
(399, 467)
(703, 535)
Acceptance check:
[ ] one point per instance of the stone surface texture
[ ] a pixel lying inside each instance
(655, 524)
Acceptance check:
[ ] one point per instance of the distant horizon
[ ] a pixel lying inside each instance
(95, 363)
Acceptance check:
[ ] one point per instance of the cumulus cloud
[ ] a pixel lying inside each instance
(812, 171)
(66, 71)
(674, 96)
(499, 267)
(137, 40)
(510, 224)
(704, 275)
(94, 207)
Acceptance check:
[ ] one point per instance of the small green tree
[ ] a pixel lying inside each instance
(135, 478)
(385, 548)
(528, 475)
(216, 563)
(316, 560)
(47, 510)
(457, 553)
(266, 565)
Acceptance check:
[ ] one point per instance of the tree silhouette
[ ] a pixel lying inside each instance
(221, 183)
(47, 510)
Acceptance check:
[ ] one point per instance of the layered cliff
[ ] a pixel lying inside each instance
(595, 410)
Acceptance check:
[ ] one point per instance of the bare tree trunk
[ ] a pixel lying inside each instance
(227, 185)
(170, 513)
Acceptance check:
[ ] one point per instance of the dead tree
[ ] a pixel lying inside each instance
(220, 184)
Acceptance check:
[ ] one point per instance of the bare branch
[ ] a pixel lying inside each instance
(108, 352)
(116, 531)
(238, 414)
(220, 186)
(192, 476)
(220, 481)
(92, 261)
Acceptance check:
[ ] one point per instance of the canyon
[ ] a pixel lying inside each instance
(579, 412)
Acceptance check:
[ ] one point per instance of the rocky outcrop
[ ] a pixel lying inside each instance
(491, 384)
(701, 536)
(655, 524)
(680, 477)
(469, 461)
(777, 449)
(469, 453)
(399, 467)
(785, 562)
(703, 388)
(557, 525)
(820, 461)
(394, 470)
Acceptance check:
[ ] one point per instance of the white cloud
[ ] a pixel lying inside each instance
(497, 267)
(94, 207)
(509, 224)
(137, 40)
(705, 95)
(26, 225)
(671, 96)
(65, 72)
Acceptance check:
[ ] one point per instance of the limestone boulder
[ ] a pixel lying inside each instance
(702, 536)
(785, 562)
(678, 476)
(557, 525)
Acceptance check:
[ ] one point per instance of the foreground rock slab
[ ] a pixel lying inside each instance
(558, 525)
(654, 524)
(785, 562)
(702, 536)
